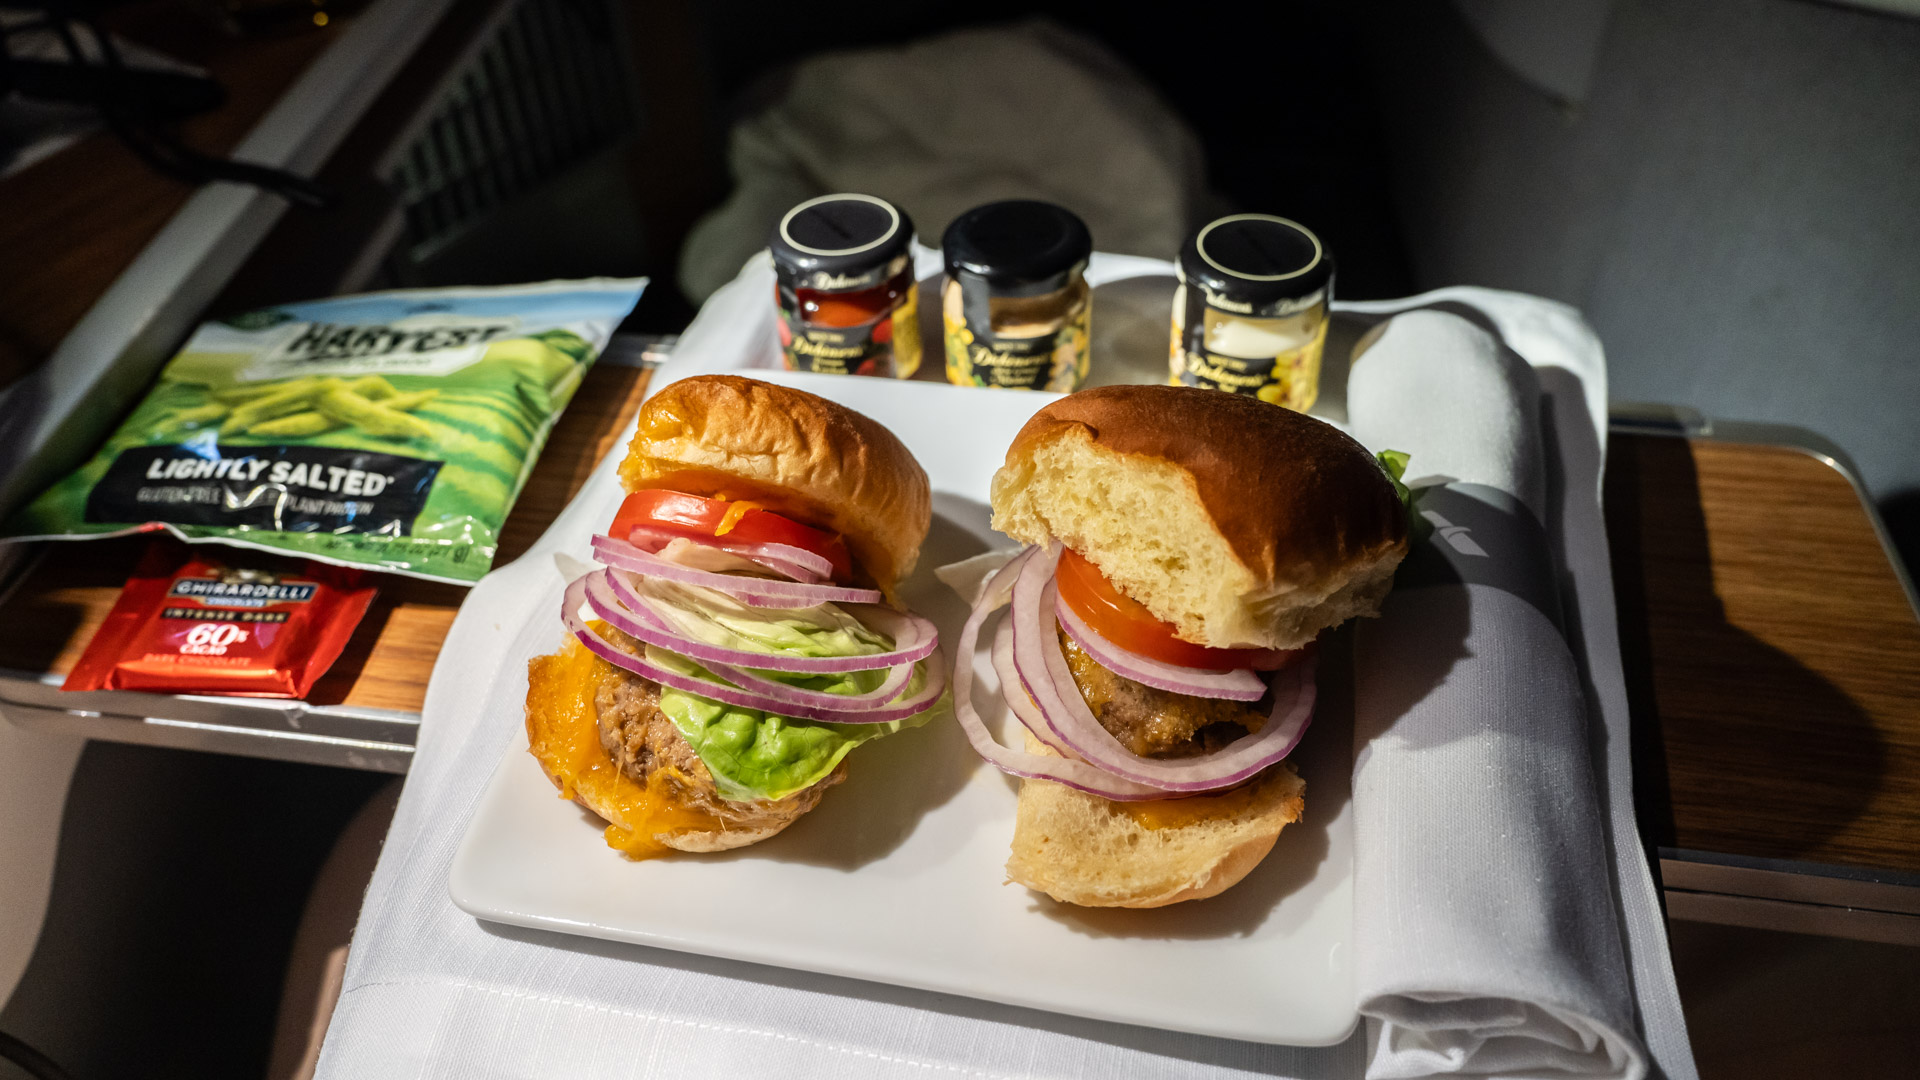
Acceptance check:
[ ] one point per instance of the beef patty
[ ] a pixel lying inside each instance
(641, 740)
(1157, 723)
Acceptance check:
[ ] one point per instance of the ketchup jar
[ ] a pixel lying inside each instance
(844, 282)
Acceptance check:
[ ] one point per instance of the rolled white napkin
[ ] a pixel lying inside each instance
(1433, 379)
(1487, 937)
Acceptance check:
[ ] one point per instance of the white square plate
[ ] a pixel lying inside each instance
(898, 875)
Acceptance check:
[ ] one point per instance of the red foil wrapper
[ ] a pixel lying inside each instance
(190, 623)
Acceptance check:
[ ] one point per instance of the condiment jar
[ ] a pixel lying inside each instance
(1250, 315)
(1016, 302)
(844, 282)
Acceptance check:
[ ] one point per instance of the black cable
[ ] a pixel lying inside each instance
(192, 162)
(37, 1065)
(161, 152)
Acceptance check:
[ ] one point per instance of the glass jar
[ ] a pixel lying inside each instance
(1250, 315)
(1016, 302)
(843, 279)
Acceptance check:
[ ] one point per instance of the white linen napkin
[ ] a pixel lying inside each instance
(1487, 926)
(1433, 380)
(431, 992)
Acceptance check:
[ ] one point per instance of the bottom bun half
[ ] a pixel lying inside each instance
(1094, 852)
(676, 806)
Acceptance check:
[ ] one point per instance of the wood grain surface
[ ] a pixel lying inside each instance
(1773, 658)
(46, 623)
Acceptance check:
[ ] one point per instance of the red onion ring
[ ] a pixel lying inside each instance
(1240, 685)
(793, 570)
(812, 567)
(1016, 698)
(758, 592)
(608, 580)
(577, 594)
(1061, 770)
(1044, 672)
(797, 563)
(889, 688)
(613, 599)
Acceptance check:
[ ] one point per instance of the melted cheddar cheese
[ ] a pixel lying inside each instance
(563, 735)
(1180, 813)
(735, 511)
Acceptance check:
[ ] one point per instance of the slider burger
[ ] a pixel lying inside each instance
(1186, 548)
(737, 642)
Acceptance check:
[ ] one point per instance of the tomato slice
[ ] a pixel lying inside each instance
(728, 521)
(1128, 624)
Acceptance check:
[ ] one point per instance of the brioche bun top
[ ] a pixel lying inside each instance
(794, 453)
(1239, 522)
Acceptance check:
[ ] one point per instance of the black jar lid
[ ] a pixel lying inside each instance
(1020, 247)
(1257, 264)
(839, 243)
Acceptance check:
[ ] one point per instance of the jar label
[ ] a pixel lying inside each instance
(888, 347)
(906, 335)
(1290, 378)
(1056, 361)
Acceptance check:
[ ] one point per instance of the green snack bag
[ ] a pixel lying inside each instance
(391, 430)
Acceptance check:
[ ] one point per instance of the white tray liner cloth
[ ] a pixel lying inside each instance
(431, 992)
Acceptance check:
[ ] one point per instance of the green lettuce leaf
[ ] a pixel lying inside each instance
(760, 755)
(1394, 464)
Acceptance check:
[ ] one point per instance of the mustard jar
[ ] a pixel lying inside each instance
(1016, 303)
(1250, 314)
